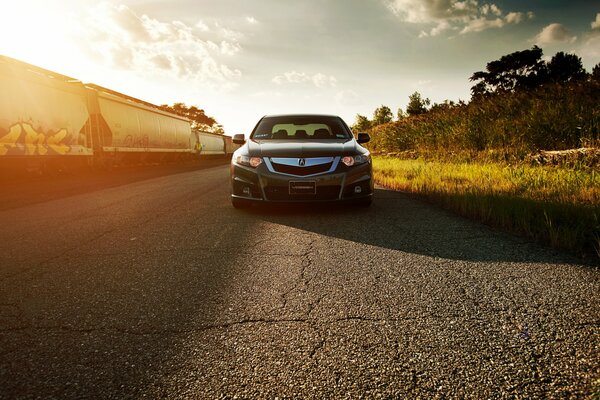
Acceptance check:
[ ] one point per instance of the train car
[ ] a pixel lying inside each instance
(48, 116)
(209, 144)
(129, 127)
(43, 114)
(212, 144)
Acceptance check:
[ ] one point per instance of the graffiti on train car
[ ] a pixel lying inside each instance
(140, 142)
(24, 139)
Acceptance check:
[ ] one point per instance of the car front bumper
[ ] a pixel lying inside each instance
(262, 185)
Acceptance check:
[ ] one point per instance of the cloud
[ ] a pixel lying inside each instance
(142, 43)
(319, 80)
(554, 33)
(161, 61)
(590, 47)
(441, 27)
(251, 20)
(596, 23)
(481, 24)
(514, 17)
(422, 83)
(347, 98)
(202, 26)
(466, 16)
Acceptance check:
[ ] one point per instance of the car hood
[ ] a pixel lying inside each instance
(302, 149)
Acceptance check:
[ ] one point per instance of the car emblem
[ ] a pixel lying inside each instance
(301, 162)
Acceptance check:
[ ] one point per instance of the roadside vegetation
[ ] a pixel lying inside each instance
(554, 205)
(507, 157)
(198, 118)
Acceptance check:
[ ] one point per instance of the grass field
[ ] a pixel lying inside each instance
(558, 206)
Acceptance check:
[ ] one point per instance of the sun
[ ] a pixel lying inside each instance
(41, 33)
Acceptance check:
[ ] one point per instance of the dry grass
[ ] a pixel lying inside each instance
(559, 206)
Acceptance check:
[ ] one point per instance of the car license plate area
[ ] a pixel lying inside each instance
(303, 187)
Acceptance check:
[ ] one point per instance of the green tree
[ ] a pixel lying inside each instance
(416, 104)
(382, 115)
(400, 114)
(199, 120)
(361, 123)
(565, 67)
(519, 70)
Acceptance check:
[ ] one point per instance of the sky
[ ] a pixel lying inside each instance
(240, 60)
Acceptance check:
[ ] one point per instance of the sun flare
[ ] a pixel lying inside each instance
(42, 33)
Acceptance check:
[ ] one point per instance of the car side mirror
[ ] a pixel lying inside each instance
(239, 138)
(363, 138)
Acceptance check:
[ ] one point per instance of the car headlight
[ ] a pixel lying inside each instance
(248, 161)
(358, 159)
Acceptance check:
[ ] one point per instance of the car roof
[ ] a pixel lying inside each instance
(301, 115)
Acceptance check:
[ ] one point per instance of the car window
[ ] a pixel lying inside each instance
(300, 128)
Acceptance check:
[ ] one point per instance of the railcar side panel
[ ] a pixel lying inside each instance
(211, 143)
(41, 115)
(228, 144)
(137, 128)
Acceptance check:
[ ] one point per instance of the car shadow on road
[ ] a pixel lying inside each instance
(398, 221)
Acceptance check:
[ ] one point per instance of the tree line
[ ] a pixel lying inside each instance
(197, 116)
(519, 103)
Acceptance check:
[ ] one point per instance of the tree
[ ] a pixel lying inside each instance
(382, 115)
(565, 67)
(596, 73)
(446, 105)
(400, 114)
(361, 124)
(199, 120)
(519, 70)
(416, 104)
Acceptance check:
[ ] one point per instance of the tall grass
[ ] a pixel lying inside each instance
(554, 205)
(505, 127)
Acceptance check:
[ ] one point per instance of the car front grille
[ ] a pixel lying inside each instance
(283, 193)
(302, 166)
(301, 171)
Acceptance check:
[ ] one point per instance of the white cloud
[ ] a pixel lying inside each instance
(481, 24)
(596, 23)
(463, 15)
(436, 30)
(322, 80)
(513, 17)
(251, 20)
(229, 48)
(495, 10)
(347, 98)
(554, 33)
(202, 26)
(319, 80)
(142, 43)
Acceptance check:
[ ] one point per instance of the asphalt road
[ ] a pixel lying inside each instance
(158, 288)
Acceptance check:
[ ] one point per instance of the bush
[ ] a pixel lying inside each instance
(507, 125)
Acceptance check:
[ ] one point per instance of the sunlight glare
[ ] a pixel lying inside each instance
(41, 33)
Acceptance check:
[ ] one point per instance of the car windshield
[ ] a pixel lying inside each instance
(301, 128)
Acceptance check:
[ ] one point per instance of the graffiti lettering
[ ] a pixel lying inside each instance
(23, 139)
(136, 142)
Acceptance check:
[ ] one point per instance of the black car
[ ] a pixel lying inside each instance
(301, 158)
